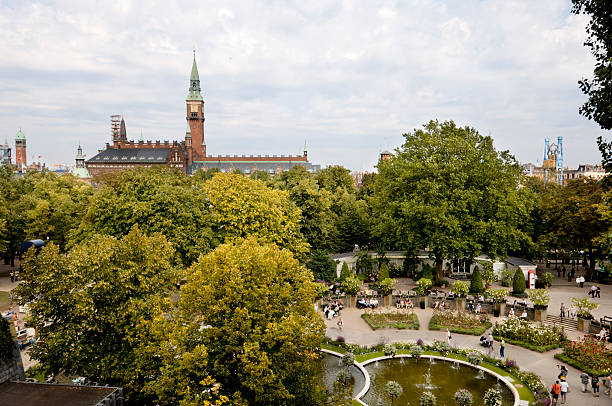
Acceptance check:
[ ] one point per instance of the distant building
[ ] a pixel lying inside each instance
(189, 155)
(80, 171)
(5, 153)
(20, 151)
(584, 171)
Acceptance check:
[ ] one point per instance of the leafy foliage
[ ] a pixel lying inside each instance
(427, 399)
(394, 390)
(322, 266)
(383, 271)
(476, 285)
(351, 285)
(345, 271)
(385, 286)
(463, 397)
(6, 341)
(523, 331)
(518, 282)
(249, 306)
(448, 189)
(460, 288)
(423, 286)
(492, 397)
(547, 278)
(584, 306)
(539, 297)
(498, 295)
(90, 305)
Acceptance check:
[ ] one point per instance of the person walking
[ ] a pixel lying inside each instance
(562, 311)
(448, 337)
(563, 270)
(502, 346)
(584, 380)
(564, 389)
(595, 385)
(340, 323)
(581, 281)
(598, 292)
(554, 391)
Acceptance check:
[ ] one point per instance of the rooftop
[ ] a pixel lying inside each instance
(36, 394)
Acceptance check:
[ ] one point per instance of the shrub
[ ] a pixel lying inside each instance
(510, 363)
(547, 278)
(488, 275)
(340, 339)
(351, 285)
(420, 342)
(393, 389)
(460, 288)
(6, 341)
(320, 290)
(539, 297)
(389, 350)
(383, 271)
(428, 399)
(463, 397)
(498, 295)
(476, 282)
(348, 359)
(416, 351)
(523, 331)
(386, 285)
(507, 275)
(345, 272)
(474, 357)
(423, 286)
(518, 283)
(345, 378)
(584, 307)
(442, 347)
(493, 397)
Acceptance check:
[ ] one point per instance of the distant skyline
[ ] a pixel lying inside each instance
(347, 77)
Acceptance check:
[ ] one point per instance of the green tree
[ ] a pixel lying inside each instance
(365, 264)
(204, 175)
(336, 178)
(89, 306)
(599, 41)
(448, 189)
(518, 282)
(476, 281)
(241, 207)
(345, 272)
(383, 272)
(158, 201)
(322, 266)
(250, 307)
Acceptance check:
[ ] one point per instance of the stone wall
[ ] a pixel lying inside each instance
(12, 370)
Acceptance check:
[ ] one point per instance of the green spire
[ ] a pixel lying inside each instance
(194, 82)
(80, 152)
(188, 132)
(19, 136)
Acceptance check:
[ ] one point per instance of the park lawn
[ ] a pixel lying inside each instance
(391, 320)
(4, 301)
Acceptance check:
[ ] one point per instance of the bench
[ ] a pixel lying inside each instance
(606, 321)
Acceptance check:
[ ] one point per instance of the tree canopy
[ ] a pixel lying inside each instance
(448, 189)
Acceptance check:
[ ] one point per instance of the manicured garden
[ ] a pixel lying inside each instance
(531, 389)
(460, 322)
(533, 336)
(588, 355)
(398, 319)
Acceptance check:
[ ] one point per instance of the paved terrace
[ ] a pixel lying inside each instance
(356, 331)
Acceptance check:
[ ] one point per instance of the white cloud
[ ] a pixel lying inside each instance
(348, 76)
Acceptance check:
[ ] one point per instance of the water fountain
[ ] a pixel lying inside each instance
(432, 361)
(427, 385)
(402, 361)
(480, 375)
(455, 365)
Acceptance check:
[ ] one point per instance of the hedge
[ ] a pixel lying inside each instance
(538, 348)
(412, 323)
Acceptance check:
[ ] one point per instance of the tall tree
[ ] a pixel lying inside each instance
(449, 190)
(241, 207)
(598, 107)
(158, 201)
(250, 307)
(90, 305)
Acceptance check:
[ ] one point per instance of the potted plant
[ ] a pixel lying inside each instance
(394, 390)
(385, 287)
(463, 397)
(547, 279)
(460, 289)
(351, 286)
(540, 299)
(499, 300)
(422, 288)
(584, 307)
(428, 399)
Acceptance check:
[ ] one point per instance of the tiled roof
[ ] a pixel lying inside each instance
(132, 155)
(247, 167)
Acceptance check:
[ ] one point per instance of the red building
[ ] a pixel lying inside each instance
(189, 155)
(20, 151)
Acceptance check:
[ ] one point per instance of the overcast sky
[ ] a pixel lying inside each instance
(349, 77)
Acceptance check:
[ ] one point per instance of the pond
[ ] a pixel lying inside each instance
(330, 365)
(442, 378)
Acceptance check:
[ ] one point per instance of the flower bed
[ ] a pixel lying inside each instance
(533, 336)
(588, 355)
(400, 320)
(460, 322)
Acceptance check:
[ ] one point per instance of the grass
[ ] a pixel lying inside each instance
(391, 320)
(533, 347)
(4, 301)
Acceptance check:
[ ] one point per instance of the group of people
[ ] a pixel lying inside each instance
(367, 303)
(565, 311)
(561, 387)
(14, 276)
(523, 315)
(472, 309)
(604, 335)
(595, 291)
(439, 305)
(404, 304)
(333, 309)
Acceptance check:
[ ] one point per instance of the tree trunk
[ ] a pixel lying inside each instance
(439, 274)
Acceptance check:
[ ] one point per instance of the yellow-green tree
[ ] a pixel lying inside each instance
(251, 307)
(92, 306)
(242, 207)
